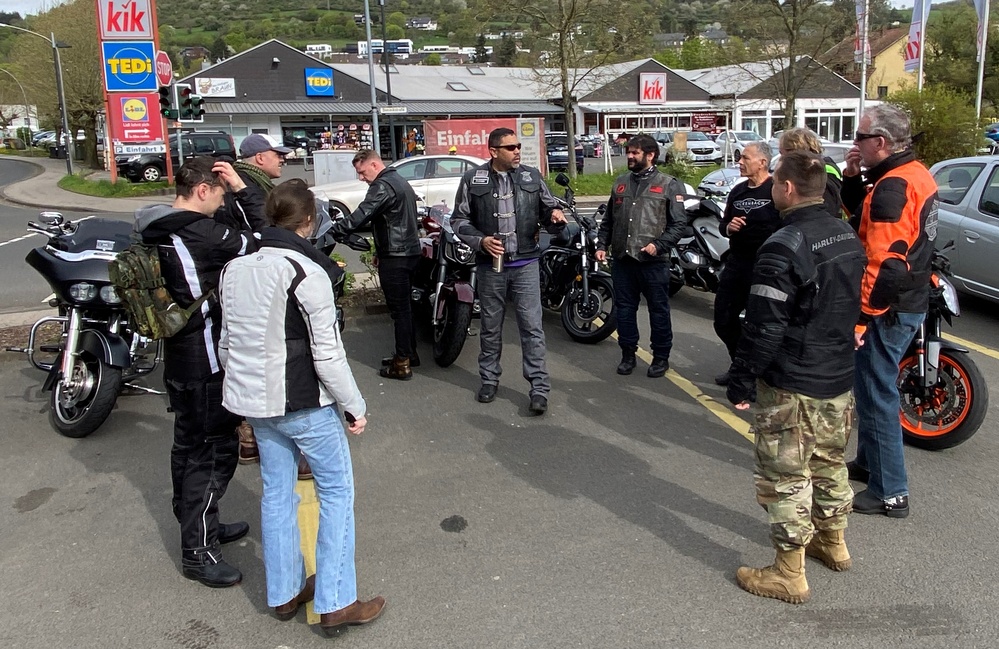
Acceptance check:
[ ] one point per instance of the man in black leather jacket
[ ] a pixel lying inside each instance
(796, 353)
(390, 207)
(644, 219)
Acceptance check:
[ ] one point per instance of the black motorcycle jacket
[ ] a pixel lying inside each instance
(193, 249)
(802, 308)
(390, 207)
(644, 208)
(476, 207)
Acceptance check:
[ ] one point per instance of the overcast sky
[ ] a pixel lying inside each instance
(36, 6)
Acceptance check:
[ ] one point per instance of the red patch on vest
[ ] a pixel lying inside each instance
(656, 189)
(619, 189)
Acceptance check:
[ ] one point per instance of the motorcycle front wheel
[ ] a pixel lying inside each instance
(81, 407)
(948, 413)
(451, 331)
(593, 322)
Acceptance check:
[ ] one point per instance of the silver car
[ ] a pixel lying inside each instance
(969, 216)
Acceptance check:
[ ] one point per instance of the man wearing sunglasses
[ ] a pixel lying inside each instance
(895, 213)
(499, 210)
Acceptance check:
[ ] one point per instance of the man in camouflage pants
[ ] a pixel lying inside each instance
(796, 355)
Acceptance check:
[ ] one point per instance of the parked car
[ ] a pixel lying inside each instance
(734, 142)
(968, 189)
(720, 183)
(434, 178)
(700, 149)
(992, 132)
(557, 150)
(37, 138)
(151, 167)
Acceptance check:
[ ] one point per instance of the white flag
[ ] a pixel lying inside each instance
(913, 47)
(980, 9)
(861, 39)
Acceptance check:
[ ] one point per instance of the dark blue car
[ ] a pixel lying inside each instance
(557, 151)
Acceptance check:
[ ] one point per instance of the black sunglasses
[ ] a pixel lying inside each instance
(509, 147)
(859, 137)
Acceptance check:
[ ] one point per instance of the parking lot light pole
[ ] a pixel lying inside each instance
(24, 95)
(60, 91)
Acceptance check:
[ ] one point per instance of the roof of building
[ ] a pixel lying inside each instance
(733, 79)
(444, 108)
(879, 41)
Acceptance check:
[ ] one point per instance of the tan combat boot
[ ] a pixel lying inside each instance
(829, 547)
(784, 580)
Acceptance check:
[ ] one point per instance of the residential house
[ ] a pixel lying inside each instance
(885, 73)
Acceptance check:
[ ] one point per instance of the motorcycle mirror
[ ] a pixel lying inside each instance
(562, 179)
(51, 218)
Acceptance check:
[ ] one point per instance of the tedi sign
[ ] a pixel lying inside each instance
(125, 20)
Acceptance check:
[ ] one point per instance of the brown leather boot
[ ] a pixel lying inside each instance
(829, 547)
(357, 613)
(248, 453)
(784, 580)
(287, 610)
(397, 369)
(304, 470)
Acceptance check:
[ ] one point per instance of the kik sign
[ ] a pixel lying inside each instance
(319, 82)
(652, 88)
(125, 19)
(128, 66)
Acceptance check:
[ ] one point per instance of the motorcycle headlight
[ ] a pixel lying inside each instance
(109, 295)
(950, 296)
(83, 292)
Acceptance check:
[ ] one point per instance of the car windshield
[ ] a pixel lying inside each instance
(696, 136)
(748, 135)
(556, 140)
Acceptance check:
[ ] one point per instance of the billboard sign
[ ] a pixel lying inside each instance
(135, 117)
(128, 66)
(125, 19)
(471, 137)
(652, 88)
(215, 86)
(319, 82)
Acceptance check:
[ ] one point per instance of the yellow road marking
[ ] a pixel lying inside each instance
(719, 410)
(981, 349)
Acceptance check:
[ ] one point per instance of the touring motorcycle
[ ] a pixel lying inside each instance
(698, 257)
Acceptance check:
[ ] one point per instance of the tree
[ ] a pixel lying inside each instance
(397, 18)
(432, 59)
(395, 32)
(506, 54)
(946, 119)
(951, 55)
(788, 35)
(481, 56)
(74, 24)
(573, 25)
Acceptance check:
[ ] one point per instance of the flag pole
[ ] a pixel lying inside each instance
(984, 27)
(863, 60)
(922, 43)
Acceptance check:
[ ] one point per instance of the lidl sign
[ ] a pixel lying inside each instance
(319, 82)
(129, 66)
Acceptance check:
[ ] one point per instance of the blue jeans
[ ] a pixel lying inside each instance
(879, 432)
(320, 435)
(633, 279)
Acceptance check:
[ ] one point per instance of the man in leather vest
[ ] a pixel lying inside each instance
(499, 210)
(390, 207)
(644, 219)
(896, 219)
(796, 355)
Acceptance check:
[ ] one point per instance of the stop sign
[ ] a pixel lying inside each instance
(164, 69)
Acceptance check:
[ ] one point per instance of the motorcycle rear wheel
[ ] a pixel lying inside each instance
(451, 331)
(596, 322)
(81, 409)
(951, 411)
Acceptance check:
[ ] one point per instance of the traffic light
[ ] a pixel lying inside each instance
(182, 97)
(197, 108)
(167, 108)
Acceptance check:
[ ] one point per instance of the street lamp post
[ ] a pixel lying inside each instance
(24, 95)
(60, 91)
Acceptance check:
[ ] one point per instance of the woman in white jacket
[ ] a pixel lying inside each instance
(286, 373)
